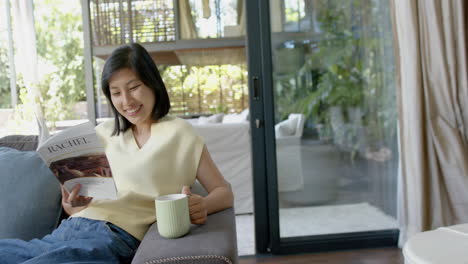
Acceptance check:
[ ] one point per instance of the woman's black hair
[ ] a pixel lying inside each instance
(135, 57)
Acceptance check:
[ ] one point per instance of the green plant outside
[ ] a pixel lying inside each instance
(59, 43)
(350, 65)
(59, 36)
(208, 89)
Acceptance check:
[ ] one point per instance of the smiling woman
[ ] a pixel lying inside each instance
(150, 154)
(131, 81)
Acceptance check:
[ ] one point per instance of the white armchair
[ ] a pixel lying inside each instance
(442, 245)
(288, 135)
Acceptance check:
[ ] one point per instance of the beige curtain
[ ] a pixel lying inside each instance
(276, 18)
(206, 8)
(431, 41)
(241, 16)
(186, 26)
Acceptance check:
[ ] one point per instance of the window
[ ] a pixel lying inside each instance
(335, 65)
(115, 22)
(218, 19)
(196, 90)
(201, 79)
(56, 28)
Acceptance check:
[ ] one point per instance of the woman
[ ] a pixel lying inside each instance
(150, 153)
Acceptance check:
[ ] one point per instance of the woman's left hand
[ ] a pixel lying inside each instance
(197, 207)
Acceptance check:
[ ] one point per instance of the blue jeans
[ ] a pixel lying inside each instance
(76, 240)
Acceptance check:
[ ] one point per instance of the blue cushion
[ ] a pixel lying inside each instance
(30, 198)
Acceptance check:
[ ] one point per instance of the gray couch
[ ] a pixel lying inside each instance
(213, 242)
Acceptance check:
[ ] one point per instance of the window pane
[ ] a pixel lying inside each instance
(202, 90)
(60, 52)
(143, 21)
(216, 18)
(334, 81)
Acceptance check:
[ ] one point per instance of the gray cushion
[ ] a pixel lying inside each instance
(19, 142)
(29, 195)
(211, 243)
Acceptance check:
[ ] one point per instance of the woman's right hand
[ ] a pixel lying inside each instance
(72, 202)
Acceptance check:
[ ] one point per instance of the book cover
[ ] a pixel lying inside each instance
(76, 155)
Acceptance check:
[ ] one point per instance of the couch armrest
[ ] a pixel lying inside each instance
(212, 243)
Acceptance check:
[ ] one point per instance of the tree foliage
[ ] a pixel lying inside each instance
(61, 83)
(197, 90)
(60, 48)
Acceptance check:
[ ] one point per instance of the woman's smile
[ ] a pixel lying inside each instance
(134, 111)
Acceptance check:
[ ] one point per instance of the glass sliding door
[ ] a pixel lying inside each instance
(327, 95)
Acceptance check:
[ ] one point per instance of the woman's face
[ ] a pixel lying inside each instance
(131, 97)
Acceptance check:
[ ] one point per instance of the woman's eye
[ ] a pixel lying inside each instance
(134, 87)
(116, 94)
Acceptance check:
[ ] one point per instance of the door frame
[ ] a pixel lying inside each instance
(257, 124)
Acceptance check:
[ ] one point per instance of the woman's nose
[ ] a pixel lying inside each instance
(126, 98)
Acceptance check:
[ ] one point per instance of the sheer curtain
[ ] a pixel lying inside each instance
(431, 40)
(26, 57)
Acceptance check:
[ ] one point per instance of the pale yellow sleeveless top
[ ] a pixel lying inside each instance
(168, 161)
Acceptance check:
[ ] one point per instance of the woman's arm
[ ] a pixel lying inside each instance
(219, 196)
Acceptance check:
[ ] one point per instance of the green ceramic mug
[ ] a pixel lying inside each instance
(172, 215)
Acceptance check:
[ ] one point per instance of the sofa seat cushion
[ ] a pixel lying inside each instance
(439, 246)
(30, 197)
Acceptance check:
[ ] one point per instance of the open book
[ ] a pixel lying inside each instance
(76, 155)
